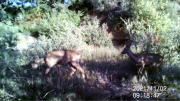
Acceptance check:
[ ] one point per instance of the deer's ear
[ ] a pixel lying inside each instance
(128, 44)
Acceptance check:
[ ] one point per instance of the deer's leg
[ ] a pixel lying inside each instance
(142, 67)
(73, 71)
(139, 70)
(47, 70)
(78, 67)
(50, 65)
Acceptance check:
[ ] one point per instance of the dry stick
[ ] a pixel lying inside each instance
(47, 93)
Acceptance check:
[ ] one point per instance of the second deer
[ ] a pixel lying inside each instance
(142, 59)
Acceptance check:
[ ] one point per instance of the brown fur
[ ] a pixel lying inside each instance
(63, 56)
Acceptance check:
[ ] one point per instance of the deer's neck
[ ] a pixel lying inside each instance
(132, 56)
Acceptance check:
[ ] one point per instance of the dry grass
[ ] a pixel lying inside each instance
(100, 53)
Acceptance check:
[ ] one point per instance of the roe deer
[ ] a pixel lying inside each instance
(63, 56)
(142, 59)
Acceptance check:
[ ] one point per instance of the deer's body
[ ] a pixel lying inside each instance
(63, 56)
(143, 59)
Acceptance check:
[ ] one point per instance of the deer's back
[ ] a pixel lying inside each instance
(150, 58)
(66, 55)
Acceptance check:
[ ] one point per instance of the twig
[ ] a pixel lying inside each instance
(47, 93)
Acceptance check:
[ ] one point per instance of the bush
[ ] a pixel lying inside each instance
(93, 34)
(150, 12)
(173, 9)
(170, 48)
(9, 88)
(10, 9)
(53, 22)
(62, 32)
(8, 37)
(74, 38)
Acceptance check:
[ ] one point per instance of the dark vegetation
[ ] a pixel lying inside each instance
(97, 29)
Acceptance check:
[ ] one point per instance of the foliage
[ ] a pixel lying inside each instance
(53, 22)
(8, 40)
(10, 9)
(8, 37)
(64, 4)
(72, 37)
(57, 41)
(56, 31)
(104, 5)
(81, 5)
(121, 10)
(93, 34)
(178, 1)
(8, 86)
(171, 45)
(150, 12)
(112, 10)
(172, 8)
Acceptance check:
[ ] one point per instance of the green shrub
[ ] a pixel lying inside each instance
(8, 37)
(71, 39)
(150, 12)
(172, 8)
(9, 10)
(57, 41)
(178, 1)
(65, 34)
(9, 87)
(170, 48)
(52, 22)
(93, 34)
